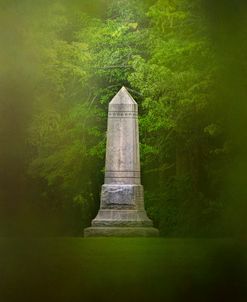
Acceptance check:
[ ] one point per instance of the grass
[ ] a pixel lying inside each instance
(122, 269)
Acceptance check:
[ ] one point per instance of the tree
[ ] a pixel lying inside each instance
(162, 52)
(179, 127)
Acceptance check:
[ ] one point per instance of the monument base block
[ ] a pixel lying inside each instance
(121, 232)
(121, 218)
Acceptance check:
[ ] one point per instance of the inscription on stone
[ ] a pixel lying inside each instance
(117, 196)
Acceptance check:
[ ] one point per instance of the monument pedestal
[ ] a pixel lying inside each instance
(121, 232)
(122, 211)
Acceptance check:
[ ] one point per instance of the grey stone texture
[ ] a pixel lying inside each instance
(121, 232)
(122, 211)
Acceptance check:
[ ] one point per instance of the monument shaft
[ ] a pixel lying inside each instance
(122, 209)
(122, 151)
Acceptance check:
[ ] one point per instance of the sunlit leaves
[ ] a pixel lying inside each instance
(163, 55)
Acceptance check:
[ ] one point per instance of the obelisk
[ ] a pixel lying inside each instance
(122, 211)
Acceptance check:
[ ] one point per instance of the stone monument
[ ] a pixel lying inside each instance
(122, 211)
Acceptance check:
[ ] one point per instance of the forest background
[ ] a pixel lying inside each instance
(184, 62)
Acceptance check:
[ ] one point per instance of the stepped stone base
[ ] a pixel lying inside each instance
(121, 223)
(121, 232)
(121, 218)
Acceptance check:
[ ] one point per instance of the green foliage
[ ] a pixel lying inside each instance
(163, 54)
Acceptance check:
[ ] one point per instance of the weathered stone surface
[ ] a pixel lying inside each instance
(121, 232)
(122, 209)
(122, 148)
(121, 217)
(117, 196)
(122, 196)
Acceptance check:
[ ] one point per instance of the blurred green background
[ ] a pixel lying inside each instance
(185, 64)
(122, 269)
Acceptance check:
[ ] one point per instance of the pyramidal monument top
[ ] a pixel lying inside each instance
(123, 97)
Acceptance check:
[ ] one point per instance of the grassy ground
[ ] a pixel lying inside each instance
(122, 269)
